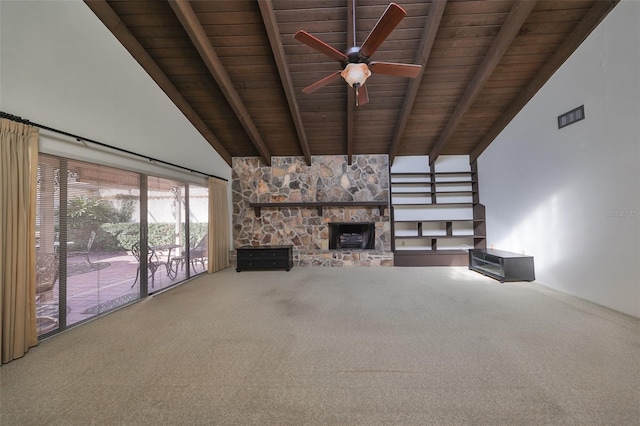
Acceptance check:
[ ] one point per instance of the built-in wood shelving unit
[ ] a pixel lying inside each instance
(436, 215)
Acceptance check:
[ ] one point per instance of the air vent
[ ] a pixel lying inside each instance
(571, 117)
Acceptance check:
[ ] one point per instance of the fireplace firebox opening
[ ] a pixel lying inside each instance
(354, 236)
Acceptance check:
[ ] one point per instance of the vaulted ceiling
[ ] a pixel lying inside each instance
(236, 72)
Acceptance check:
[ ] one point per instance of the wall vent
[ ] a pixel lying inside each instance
(571, 117)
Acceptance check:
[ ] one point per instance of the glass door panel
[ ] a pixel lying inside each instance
(102, 225)
(47, 245)
(165, 233)
(198, 228)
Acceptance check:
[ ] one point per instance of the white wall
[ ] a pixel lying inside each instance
(61, 67)
(571, 197)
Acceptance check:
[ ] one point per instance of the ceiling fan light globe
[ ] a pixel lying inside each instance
(355, 74)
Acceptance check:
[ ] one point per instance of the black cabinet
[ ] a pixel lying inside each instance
(502, 265)
(264, 257)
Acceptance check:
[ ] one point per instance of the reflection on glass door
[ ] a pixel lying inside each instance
(165, 233)
(198, 228)
(47, 244)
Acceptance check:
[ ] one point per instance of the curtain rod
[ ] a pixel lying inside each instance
(83, 139)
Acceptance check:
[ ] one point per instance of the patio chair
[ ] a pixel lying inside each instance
(84, 253)
(199, 253)
(153, 263)
(46, 275)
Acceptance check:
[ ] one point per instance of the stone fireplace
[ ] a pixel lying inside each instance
(330, 180)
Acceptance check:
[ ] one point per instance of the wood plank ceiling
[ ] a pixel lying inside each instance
(236, 72)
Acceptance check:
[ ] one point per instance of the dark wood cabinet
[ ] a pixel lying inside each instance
(502, 265)
(264, 257)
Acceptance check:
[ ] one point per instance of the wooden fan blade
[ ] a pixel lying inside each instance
(363, 95)
(391, 68)
(320, 46)
(321, 83)
(388, 21)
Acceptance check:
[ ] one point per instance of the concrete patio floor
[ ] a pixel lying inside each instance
(101, 288)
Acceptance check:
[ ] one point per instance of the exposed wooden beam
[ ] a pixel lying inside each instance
(436, 11)
(270, 24)
(590, 21)
(110, 19)
(200, 40)
(518, 14)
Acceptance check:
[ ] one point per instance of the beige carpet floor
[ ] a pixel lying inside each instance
(337, 346)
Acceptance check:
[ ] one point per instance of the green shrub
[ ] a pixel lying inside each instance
(124, 235)
(113, 227)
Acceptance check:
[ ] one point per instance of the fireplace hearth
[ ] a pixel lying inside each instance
(351, 236)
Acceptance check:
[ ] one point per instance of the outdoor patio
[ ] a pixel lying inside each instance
(105, 285)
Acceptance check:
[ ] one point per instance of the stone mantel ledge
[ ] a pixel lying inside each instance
(320, 205)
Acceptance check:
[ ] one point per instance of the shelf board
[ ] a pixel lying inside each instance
(432, 237)
(438, 220)
(470, 204)
(404, 206)
(454, 182)
(430, 173)
(491, 269)
(411, 204)
(427, 173)
(453, 204)
(413, 193)
(432, 252)
(412, 183)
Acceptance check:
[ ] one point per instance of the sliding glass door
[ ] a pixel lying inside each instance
(106, 237)
(166, 234)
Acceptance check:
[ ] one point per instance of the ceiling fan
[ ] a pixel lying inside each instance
(356, 63)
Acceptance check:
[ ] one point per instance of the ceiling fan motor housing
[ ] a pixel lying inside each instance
(353, 53)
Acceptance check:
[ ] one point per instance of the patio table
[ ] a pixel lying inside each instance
(171, 260)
